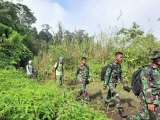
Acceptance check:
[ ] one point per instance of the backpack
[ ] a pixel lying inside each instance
(57, 67)
(136, 83)
(103, 72)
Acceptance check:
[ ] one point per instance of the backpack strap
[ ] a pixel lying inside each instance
(62, 68)
(150, 72)
(58, 66)
(112, 68)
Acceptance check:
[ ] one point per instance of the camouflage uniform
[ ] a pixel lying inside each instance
(113, 72)
(82, 72)
(149, 95)
(150, 77)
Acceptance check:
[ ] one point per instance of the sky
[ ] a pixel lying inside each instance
(95, 16)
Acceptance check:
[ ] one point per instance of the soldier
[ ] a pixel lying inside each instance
(58, 70)
(150, 94)
(113, 72)
(82, 72)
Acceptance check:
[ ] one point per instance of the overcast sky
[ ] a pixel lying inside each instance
(96, 15)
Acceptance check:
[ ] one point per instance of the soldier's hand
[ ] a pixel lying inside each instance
(126, 88)
(91, 80)
(151, 107)
(104, 87)
(126, 85)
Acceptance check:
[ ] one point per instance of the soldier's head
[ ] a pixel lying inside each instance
(155, 57)
(61, 59)
(84, 60)
(119, 56)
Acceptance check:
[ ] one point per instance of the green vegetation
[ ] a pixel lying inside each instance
(23, 98)
(136, 51)
(28, 99)
(12, 49)
(19, 42)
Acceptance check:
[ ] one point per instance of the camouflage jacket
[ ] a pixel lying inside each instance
(114, 72)
(82, 71)
(151, 84)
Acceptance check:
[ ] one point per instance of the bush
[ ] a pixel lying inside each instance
(13, 51)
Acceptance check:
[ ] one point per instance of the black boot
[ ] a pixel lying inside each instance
(129, 118)
(86, 96)
(122, 113)
(79, 94)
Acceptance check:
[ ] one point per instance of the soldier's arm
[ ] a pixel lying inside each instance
(122, 78)
(89, 71)
(91, 75)
(76, 73)
(146, 89)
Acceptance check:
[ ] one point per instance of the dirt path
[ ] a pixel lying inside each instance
(97, 95)
(129, 101)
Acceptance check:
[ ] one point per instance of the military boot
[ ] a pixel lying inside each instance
(86, 96)
(129, 118)
(122, 113)
(79, 95)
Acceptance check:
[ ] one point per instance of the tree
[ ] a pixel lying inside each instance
(125, 36)
(46, 27)
(68, 37)
(130, 33)
(58, 37)
(12, 49)
(17, 16)
(45, 35)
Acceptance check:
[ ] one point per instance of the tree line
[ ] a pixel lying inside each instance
(20, 41)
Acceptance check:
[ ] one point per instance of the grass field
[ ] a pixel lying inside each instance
(29, 99)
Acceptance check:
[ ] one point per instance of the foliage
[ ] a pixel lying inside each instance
(139, 51)
(17, 16)
(33, 100)
(12, 49)
(18, 40)
(135, 45)
(24, 98)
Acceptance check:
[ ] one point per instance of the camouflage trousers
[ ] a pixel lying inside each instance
(113, 92)
(82, 86)
(144, 113)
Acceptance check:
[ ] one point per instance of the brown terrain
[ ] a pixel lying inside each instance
(97, 95)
